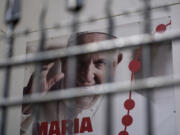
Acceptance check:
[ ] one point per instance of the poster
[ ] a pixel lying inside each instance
(89, 116)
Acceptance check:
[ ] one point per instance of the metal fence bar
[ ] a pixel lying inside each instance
(116, 87)
(109, 69)
(7, 82)
(146, 65)
(74, 6)
(38, 69)
(120, 43)
(12, 17)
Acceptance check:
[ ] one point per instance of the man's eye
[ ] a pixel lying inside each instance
(99, 63)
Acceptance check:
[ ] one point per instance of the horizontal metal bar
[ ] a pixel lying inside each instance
(117, 87)
(119, 43)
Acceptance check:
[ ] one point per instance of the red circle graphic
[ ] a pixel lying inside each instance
(123, 133)
(161, 28)
(127, 120)
(129, 104)
(134, 65)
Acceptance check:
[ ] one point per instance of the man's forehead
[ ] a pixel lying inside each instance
(95, 56)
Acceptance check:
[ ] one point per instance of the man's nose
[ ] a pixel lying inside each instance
(89, 74)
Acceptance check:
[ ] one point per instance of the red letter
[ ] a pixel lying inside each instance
(54, 128)
(76, 125)
(42, 128)
(66, 126)
(86, 125)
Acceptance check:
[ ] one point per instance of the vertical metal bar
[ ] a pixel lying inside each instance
(71, 73)
(38, 69)
(12, 17)
(109, 69)
(7, 82)
(75, 7)
(146, 63)
(71, 62)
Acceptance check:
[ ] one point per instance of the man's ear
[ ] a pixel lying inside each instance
(120, 56)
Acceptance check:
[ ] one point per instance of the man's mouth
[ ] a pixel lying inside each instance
(84, 84)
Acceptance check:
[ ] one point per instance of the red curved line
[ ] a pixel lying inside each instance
(169, 23)
(138, 53)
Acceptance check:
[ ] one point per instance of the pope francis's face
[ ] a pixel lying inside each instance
(92, 68)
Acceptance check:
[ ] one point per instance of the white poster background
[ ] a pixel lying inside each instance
(162, 102)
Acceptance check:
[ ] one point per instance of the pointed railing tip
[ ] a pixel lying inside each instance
(12, 12)
(74, 5)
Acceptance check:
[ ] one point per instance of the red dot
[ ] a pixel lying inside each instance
(129, 104)
(161, 28)
(127, 120)
(134, 65)
(123, 133)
